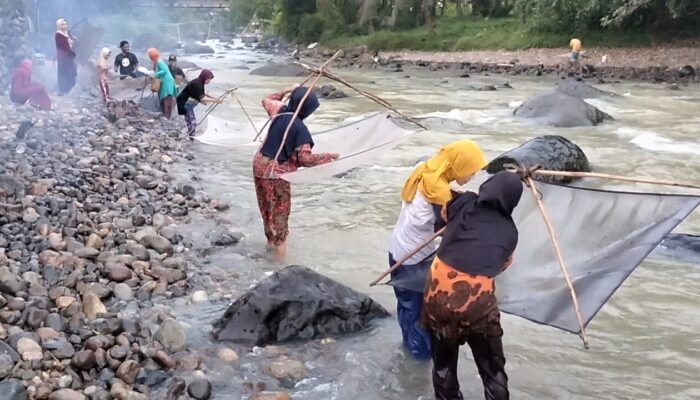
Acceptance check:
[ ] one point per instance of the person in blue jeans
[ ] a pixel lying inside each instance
(424, 195)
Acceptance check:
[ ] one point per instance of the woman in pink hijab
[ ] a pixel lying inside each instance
(23, 91)
(65, 57)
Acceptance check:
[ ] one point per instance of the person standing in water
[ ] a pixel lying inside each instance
(460, 304)
(126, 62)
(168, 89)
(193, 94)
(424, 194)
(103, 73)
(274, 194)
(65, 58)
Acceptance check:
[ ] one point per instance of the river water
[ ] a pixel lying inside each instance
(644, 343)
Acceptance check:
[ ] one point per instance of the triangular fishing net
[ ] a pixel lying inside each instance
(603, 235)
(357, 143)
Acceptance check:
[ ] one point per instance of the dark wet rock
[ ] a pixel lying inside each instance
(686, 71)
(225, 238)
(194, 48)
(6, 365)
(54, 321)
(555, 153)
(11, 283)
(679, 247)
(155, 39)
(554, 108)
(13, 389)
(581, 90)
(171, 335)
(60, 348)
(84, 360)
(6, 348)
(153, 378)
(199, 389)
(330, 92)
(296, 303)
(281, 70)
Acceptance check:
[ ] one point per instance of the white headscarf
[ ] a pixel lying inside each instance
(102, 60)
(63, 32)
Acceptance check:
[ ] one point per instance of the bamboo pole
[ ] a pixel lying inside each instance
(244, 111)
(370, 96)
(613, 177)
(213, 106)
(560, 258)
(299, 107)
(399, 263)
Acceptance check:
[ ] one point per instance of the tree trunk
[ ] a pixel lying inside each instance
(399, 6)
(428, 7)
(460, 7)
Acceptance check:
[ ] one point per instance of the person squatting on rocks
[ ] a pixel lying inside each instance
(168, 90)
(460, 304)
(424, 194)
(126, 62)
(23, 90)
(65, 58)
(103, 73)
(193, 94)
(274, 194)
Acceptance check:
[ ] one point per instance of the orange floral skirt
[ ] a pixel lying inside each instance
(457, 305)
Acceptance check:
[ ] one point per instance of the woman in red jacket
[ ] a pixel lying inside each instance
(65, 57)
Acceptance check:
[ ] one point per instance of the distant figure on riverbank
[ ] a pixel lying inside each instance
(193, 94)
(168, 89)
(23, 90)
(576, 47)
(177, 72)
(126, 62)
(279, 155)
(65, 58)
(103, 73)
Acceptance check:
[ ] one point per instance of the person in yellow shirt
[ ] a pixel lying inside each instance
(576, 47)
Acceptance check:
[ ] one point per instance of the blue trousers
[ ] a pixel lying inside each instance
(408, 310)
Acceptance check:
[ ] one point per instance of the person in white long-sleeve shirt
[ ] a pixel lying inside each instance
(424, 194)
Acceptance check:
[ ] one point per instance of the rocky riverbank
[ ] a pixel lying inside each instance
(89, 242)
(663, 65)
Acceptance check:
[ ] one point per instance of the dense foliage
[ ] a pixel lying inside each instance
(311, 20)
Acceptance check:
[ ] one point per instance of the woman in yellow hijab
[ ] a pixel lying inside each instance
(424, 194)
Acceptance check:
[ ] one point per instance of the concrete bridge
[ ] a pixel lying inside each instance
(208, 4)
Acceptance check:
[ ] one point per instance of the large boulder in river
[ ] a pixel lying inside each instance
(554, 108)
(196, 48)
(296, 303)
(158, 40)
(552, 152)
(288, 69)
(581, 90)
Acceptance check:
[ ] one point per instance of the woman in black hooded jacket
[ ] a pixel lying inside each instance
(459, 304)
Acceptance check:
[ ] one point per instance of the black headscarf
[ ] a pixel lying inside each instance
(481, 234)
(298, 135)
